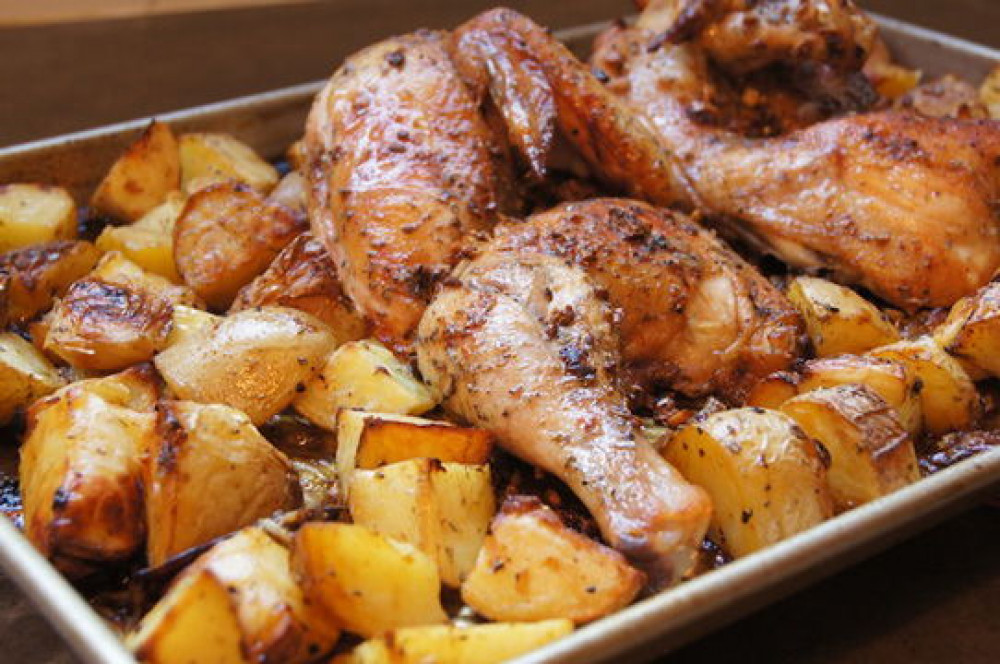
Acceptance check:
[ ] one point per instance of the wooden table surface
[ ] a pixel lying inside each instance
(934, 598)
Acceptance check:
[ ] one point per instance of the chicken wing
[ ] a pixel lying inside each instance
(523, 346)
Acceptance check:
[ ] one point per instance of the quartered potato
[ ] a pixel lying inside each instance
(210, 472)
(443, 509)
(948, 397)
(364, 375)
(254, 360)
(80, 472)
(25, 375)
(190, 321)
(142, 177)
(449, 644)
(212, 158)
(767, 480)
(40, 273)
(225, 236)
(366, 582)
(871, 453)
(34, 214)
(149, 242)
(303, 277)
(971, 333)
(837, 319)
(534, 567)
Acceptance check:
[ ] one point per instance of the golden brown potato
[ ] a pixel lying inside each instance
(275, 622)
(196, 621)
(948, 398)
(254, 360)
(871, 453)
(147, 171)
(35, 214)
(774, 390)
(149, 242)
(971, 333)
(443, 509)
(212, 158)
(838, 320)
(80, 472)
(115, 268)
(189, 322)
(363, 375)
(533, 567)
(767, 480)
(303, 277)
(209, 473)
(989, 93)
(25, 375)
(365, 582)
(225, 236)
(40, 273)
(450, 644)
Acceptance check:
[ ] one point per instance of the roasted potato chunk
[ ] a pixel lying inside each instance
(364, 375)
(40, 273)
(35, 214)
(948, 398)
(533, 567)
(837, 319)
(871, 453)
(303, 277)
(149, 242)
(147, 171)
(292, 193)
(442, 509)
(225, 236)
(774, 390)
(254, 360)
(81, 475)
(25, 375)
(971, 333)
(275, 622)
(366, 582)
(212, 158)
(989, 93)
(188, 322)
(209, 455)
(767, 480)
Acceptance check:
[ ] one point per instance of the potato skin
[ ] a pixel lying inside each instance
(971, 333)
(42, 272)
(25, 375)
(226, 235)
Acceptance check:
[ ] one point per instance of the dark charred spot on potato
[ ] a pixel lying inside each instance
(172, 435)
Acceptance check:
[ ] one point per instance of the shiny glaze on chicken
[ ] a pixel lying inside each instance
(694, 316)
(523, 346)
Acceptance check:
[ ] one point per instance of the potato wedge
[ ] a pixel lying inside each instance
(35, 214)
(211, 158)
(196, 621)
(971, 333)
(837, 319)
(948, 398)
(303, 277)
(276, 624)
(364, 581)
(209, 455)
(443, 509)
(188, 322)
(148, 170)
(767, 480)
(871, 453)
(364, 375)
(81, 476)
(225, 236)
(40, 273)
(254, 360)
(533, 567)
(149, 242)
(25, 375)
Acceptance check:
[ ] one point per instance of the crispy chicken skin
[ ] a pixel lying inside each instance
(523, 346)
(904, 206)
(402, 169)
(695, 317)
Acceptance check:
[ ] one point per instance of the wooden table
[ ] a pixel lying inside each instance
(935, 598)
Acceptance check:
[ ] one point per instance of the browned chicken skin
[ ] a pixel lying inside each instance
(402, 169)
(695, 316)
(523, 346)
(904, 206)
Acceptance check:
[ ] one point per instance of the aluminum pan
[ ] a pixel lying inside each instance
(270, 122)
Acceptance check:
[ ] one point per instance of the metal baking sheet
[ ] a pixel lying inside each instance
(273, 120)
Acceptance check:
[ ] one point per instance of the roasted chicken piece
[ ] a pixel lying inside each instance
(523, 346)
(695, 316)
(903, 205)
(402, 168)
